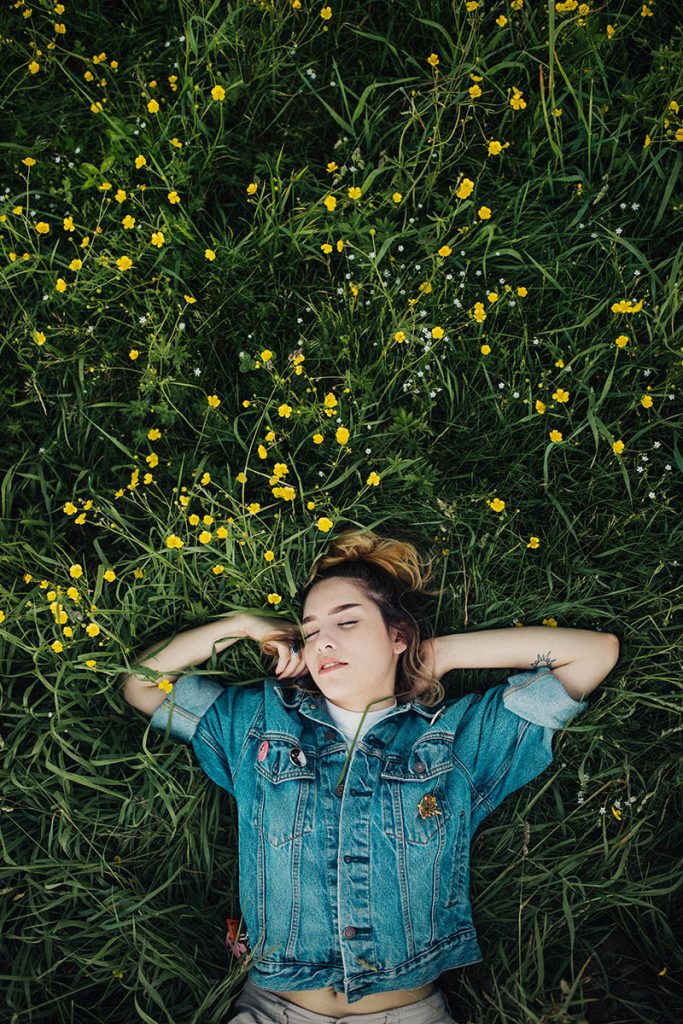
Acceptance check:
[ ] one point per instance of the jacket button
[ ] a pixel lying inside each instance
(349, 933)
(420, 767)
(340, 789)
(347, 859)
(330, 734)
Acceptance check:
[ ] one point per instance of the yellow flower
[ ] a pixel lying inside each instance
(120, 196)
(158, 238)
(555, 435)
(373, 479)
(173, 541)
(522, 291)
(39, 337)
(217, 569)
(484, 212)
(173, 197)
(497, 505)
(433, 59)
(221, 532)
(317, 439)
(60, 28)
(210, 254)
(437, 332)
(560, 395)
(61, 284)
(218, 92)
(213, 400)
(485, 350)
(354, 192)
(516, 101)
(165, 684)
(474, 91)
(152, 460)
(133, 354)
(251, 188)
(140, 161)
(464, 188)
(124, 263)
(128, 222)
(190, 301)
(76, 571)
(68, 224)
(501, 21)
(193, 520)
(618, 447)
(253, 508)
(176, 143)
(42, 228)
(326, 13)
(2, 616)
(29, 161)
(445, 250)
(622, 340)
(325, 524)
(533, 542)
(397, 197)
(204, 480)
(34, 67)
(646, 401)
(153, 106)
(284, 410)
(109, 575)
(342, 435)
(75, 264)
(57, 647)
(266, 355)
(479, 313)
(205, 537)
(330, 202)
(93, 629)
(400, 336)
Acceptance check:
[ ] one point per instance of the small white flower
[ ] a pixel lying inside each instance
(618, 231)
(181, 325)
(635, 206)
(368, 450)
(667, 467)
(142, 319)
(657, 444)
(603, 810)
(651, 494)
(647, 372)
(197, 372)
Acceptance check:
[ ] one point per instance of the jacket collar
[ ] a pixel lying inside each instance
(293, 698)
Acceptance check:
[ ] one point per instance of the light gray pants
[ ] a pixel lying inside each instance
(256, 1005)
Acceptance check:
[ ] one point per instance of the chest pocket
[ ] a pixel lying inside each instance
(285, 791)
(415, 805)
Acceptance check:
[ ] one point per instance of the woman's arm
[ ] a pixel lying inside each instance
(580, 658)
(170, 657)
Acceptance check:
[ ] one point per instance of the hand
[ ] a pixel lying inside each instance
(276, 637)
(428, 652)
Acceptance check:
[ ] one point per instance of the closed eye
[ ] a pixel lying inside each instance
(351, 622)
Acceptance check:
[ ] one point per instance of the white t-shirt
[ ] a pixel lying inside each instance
(347, 721)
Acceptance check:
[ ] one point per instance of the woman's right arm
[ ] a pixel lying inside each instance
(168, 658)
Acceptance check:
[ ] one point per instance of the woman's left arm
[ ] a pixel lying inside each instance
(580, 658)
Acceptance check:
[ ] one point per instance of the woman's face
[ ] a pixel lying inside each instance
(356, 636)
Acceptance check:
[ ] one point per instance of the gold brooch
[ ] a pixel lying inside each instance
(427, 807)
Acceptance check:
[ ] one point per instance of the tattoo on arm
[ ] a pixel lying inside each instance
(543, 659)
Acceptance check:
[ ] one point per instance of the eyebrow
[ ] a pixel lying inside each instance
(333, 611)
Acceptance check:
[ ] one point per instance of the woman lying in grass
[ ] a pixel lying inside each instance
(359, 785)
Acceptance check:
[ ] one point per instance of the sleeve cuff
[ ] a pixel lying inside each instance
(540, 697)
(184, 705)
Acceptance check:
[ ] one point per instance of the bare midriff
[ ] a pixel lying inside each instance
(334, 1004)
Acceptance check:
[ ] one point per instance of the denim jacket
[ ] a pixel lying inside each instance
(363, 884)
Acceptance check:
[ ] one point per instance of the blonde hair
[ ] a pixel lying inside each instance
(392, 574)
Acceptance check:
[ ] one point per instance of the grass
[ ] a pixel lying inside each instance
(119, 856)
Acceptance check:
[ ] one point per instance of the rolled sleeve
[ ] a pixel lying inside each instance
(539, 697)
(184, 706)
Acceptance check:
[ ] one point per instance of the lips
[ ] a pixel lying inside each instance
(340, 664)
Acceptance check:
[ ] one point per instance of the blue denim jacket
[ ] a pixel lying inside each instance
(362, 886)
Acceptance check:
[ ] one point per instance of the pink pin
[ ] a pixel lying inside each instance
(263, 750)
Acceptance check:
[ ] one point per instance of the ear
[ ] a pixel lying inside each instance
(398, 640)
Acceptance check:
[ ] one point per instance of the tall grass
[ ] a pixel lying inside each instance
(330, 367)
